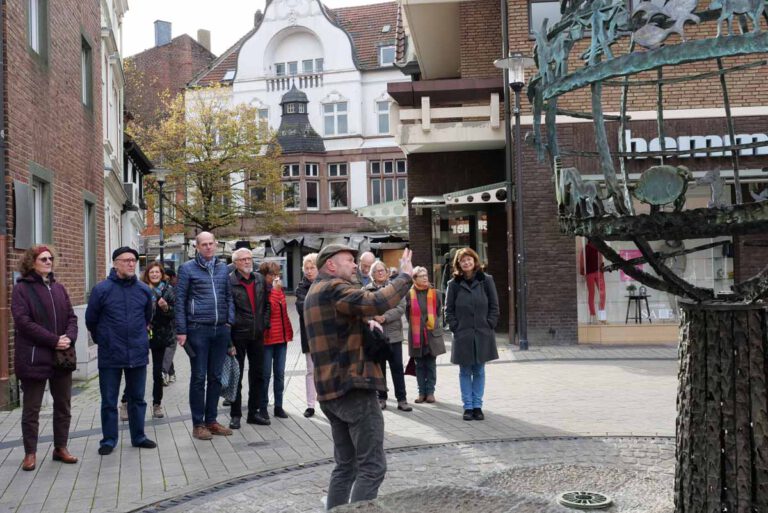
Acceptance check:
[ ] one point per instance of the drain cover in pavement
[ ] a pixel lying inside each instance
(584, 500)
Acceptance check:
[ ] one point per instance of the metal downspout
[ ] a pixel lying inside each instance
(4, 290)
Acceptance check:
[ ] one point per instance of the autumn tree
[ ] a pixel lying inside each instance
(225, 162)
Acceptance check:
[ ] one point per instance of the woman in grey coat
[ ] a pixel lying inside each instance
(472, 312)
(392, 322)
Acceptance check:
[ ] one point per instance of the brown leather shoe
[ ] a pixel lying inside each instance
(420, 399)
(218, 429)
(63, 455)
(201, 433)
(430, 398)
(29, 462)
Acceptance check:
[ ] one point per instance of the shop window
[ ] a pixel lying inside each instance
(313, 195)
(335, 170)
(335, 118)
(382, 115)
(290, 170)
(291, 195)
(539, 10)
(311, 169)
(339, 198)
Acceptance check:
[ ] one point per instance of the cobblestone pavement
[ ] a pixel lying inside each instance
(560, 391)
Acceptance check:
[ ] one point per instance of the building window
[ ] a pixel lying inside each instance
(335, 170)
(258, 195)
(376, 168)
(392, 185)
(311, 169)
(89, 241)
(302, 108)
(313, 196)
(335, 118)
(401, 167)
(41, 211)
(307, 66)
(540, 10)
(290, 170)
(402, 191)
(319, 65)
(389, 167)
(263, 120)
(293, 68)
(37, 29)
(382, 114)
(291, 195)
(228, 75)
(280, 69)
(375, 191)
(86, 73)
(386, 55)
(389, 189)
(290, 108)
(338, 195)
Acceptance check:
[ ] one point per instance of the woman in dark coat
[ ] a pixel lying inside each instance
(472, 312)
(44, 322)
(425, 332)
(309, 266)
(162, 333)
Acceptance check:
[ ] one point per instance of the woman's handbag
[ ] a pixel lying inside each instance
(65, 359)
(230, 375)
(410, 368)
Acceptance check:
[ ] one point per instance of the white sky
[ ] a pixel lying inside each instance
(228, 20)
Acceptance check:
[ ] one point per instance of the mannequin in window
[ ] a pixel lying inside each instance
(591, 267)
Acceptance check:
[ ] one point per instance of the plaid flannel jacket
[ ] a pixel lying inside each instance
(333, 316)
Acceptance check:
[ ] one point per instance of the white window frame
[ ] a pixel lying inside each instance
(308, 69)
(292, 170)
(280, 69)
(536, 19)
(375, 191)
(34, 32)
(290, 108)
(312, 169)
(382, 116)
(384, 52)
(297, 187)
(338, 170)
(228, 75)
(292, 68)
(330, 194)
(86, 73)
(338, 111)
(319, 63)
(316, 185)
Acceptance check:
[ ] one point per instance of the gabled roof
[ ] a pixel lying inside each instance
(363, 24)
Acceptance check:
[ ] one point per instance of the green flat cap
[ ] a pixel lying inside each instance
(332, 249)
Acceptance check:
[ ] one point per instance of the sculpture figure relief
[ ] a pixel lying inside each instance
(728, 8)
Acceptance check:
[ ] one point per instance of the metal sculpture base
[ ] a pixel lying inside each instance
(722, 417)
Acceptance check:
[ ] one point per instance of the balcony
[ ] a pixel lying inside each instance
(303, 81)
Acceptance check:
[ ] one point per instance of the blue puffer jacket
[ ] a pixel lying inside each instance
(203, 297)
(119, 311)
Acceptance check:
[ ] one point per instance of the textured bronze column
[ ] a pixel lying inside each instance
(722, 409)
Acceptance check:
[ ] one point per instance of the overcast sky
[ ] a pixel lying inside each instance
(228, 20)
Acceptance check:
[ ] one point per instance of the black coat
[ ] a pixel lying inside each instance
(249, 324)
(301, 294)
(163, 322)
(472, 312)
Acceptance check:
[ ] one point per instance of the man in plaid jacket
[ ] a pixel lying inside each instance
(346, 382)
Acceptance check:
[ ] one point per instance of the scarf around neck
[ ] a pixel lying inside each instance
(417, 329)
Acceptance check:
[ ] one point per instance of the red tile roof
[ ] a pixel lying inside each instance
(363, 23)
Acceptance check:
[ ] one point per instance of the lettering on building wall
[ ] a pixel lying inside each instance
(693, 142)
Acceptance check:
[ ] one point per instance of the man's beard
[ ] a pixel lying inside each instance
(248, 269)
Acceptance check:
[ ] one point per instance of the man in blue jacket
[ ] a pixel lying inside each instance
(119, 311)
(204, 314)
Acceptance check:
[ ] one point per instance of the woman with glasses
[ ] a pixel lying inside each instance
(276, 339)
(392, 322)
(44, 323)
(472, 312)
(425, 332)
(309, 266)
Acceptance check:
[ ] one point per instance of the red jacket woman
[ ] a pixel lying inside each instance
(280, 329)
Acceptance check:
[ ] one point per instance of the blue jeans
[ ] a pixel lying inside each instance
(426, 374)
(109, 385)
(357, 428)
(210, 346)
(472, 382)
(274, 360)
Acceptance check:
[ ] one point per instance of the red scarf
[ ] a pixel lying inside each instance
(415, 320)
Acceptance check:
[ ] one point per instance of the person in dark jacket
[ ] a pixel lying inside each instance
(162, 331)
(309, 266)
(392, 322)
(169, 371)
(249, 294)
(472, 311)
(44, 322)
(204, 314)
(118, 315)
(425, 332)
(276, 339)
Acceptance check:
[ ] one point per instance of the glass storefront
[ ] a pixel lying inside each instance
(453, 229)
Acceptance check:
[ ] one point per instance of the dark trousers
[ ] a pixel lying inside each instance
(61, 391)
(254, 350)
(109, 385)
(157, 374)
(274, 360)
(426, 374)
(396, 368)
(210, 346)
(357, 427)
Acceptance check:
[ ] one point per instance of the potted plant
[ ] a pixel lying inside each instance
(631, 289)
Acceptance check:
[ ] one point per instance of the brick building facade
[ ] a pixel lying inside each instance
(53, 147)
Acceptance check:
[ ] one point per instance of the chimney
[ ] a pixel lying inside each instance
(204, 38)
(162, 32)
(257, 18)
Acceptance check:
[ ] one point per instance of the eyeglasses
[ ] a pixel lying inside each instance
(380, 271)
(46, 259)
(244, 259)
(129, 261)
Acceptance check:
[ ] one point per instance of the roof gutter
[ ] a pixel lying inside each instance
(5, 354)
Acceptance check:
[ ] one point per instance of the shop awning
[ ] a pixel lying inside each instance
(428, 201)
(492, 193)
(391, 216)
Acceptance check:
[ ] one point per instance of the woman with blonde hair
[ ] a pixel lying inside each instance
(309, 267)
(425, 332)
(45, 328)
(472, 312)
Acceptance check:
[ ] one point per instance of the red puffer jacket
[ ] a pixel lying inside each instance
(280, 329)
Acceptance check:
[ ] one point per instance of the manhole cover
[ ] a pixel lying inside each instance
(584, 500)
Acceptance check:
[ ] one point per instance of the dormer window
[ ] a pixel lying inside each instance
(229, 75)
(386, 55)
(290, 108)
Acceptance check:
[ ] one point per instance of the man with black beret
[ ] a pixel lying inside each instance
(119, 311)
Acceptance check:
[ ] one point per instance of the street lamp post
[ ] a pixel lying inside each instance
(160, 177)
(514, 75)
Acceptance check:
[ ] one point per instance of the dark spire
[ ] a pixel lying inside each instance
(296, 134)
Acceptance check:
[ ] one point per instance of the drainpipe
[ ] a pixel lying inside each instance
(4, 291)
(512, 311)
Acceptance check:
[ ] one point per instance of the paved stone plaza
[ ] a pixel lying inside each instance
(565, 392)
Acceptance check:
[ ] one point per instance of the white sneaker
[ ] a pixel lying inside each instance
(123, 411)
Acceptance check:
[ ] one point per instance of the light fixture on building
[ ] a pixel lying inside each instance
(161, 175)
(514, 74)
